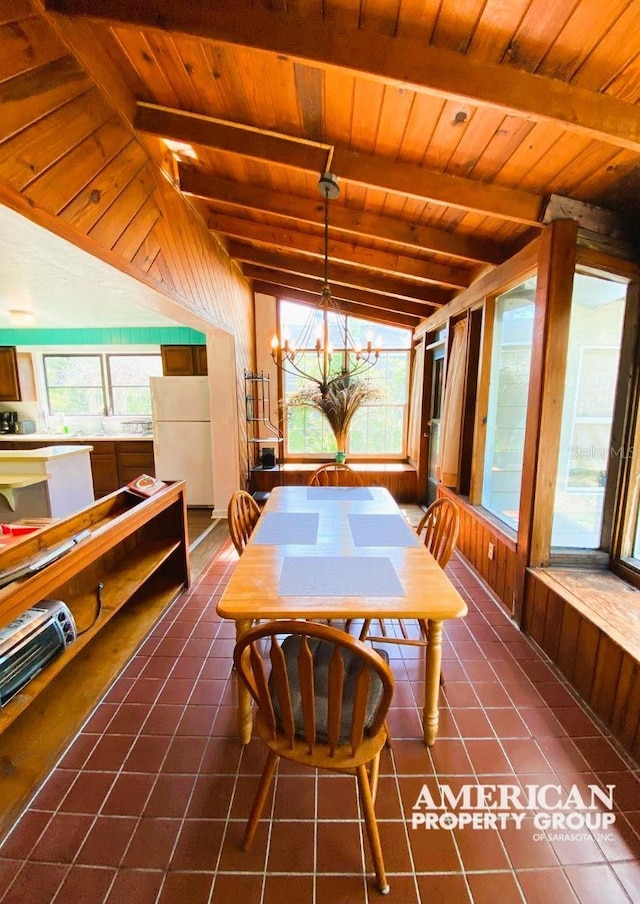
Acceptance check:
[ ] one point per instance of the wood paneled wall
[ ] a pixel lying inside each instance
(605, 675)
(476, 533)
(70, 162)
(401, 483)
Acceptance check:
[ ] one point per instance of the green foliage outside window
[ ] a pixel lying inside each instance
(96, 384)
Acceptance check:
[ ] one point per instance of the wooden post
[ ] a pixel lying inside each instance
(556, 266)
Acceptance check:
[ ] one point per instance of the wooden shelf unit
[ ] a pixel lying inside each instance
(138, 550)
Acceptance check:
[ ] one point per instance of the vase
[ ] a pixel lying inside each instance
(341, 457)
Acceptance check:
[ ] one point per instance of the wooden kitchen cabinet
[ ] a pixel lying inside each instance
(115, 464)
(200, 367)
(104, 467)
(134, 457)
(9, 382)
(184, 360)
(17, 376)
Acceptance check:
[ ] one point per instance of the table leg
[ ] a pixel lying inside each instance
(245, 722)
(433, 664)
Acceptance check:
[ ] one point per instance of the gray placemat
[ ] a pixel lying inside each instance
(286, 528)
(341, 494)
(381, 530)
(339, 576)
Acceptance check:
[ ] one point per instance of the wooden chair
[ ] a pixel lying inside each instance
(243, 512)
(334, 475)
(324, 706)
(440, 526)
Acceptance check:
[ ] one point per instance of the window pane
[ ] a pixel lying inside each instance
(302, 324)
(387, 336)
(74, 384)
(507, 408)
(134, 370)
(308, 431)
(76, 401)
(129, 375)
(379, 427)
(73, 370)
(595, 332)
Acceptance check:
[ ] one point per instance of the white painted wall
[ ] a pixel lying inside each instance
(266, 325)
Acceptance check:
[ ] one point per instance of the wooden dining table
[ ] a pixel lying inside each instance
(340, 553)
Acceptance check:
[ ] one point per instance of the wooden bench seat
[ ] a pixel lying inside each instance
(399, 478)
(588, 622)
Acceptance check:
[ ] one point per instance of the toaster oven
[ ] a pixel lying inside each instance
(32, 640)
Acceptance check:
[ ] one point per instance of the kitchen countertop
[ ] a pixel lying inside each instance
(54, 438)
(47, 453)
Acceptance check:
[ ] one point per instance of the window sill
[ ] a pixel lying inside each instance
(613, 605)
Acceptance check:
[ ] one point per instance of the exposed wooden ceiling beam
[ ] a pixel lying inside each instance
(236, 138)
(346, 307)
(344, 219)
(341, 274)
(359, 296)
(364, 169)
(402, 62)
(344, 252)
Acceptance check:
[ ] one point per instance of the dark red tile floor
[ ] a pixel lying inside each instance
(149, 802)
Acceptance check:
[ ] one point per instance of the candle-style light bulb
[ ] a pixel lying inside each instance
(275, 343)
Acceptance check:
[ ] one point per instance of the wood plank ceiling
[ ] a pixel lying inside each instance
(449, 124)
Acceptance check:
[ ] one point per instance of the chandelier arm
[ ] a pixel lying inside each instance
(296, 370)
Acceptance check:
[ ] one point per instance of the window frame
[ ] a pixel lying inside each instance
(356, 456)
(105, 374)
(48, 386)
(485, 358)
(621, 519)
(353, 456)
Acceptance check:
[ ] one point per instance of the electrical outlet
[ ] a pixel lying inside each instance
(491, 551)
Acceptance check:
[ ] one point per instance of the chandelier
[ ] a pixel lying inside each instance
(312, 355)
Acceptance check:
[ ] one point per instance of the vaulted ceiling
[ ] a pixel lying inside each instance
(450, 125)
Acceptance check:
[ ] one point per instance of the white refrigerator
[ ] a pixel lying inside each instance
(182, 434)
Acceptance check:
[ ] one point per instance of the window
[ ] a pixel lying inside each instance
(593, 356)
(75, 384)
(129, 382)
(507, 404)
(97, 384)
(379, 428)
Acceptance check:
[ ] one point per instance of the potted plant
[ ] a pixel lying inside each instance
(339, 404)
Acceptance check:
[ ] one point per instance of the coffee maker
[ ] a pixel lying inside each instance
(8, 421)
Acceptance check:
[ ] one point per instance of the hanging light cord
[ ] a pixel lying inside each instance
(326, 235)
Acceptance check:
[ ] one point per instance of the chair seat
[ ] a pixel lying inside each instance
(322, 651)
